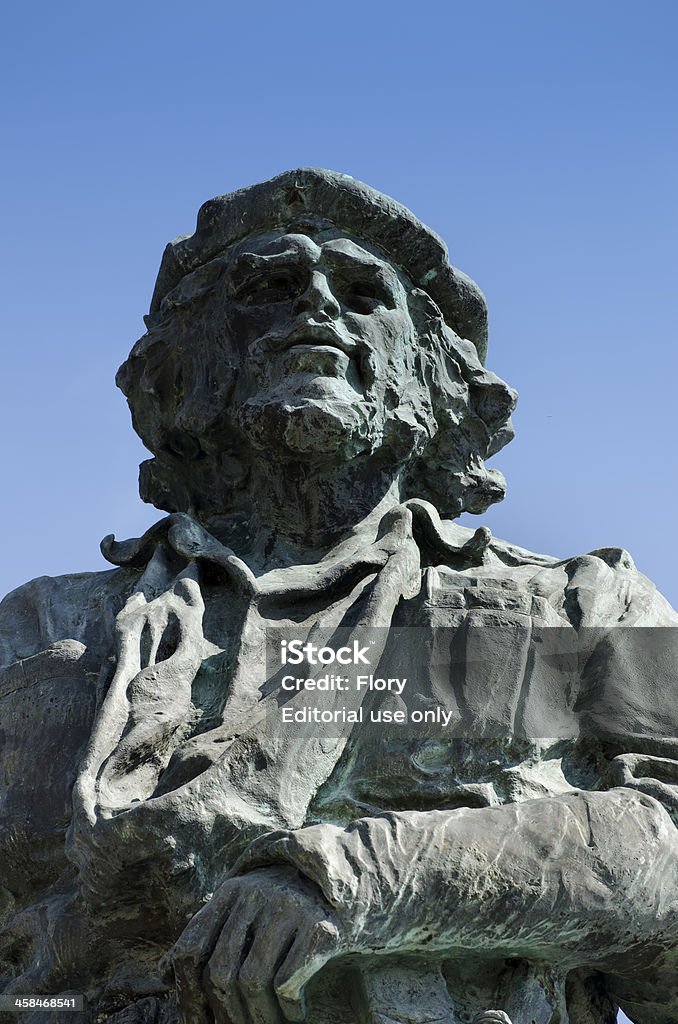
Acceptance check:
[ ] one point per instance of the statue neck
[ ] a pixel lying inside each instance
(295, 513)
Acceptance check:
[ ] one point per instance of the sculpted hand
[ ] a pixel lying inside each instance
(247, 955)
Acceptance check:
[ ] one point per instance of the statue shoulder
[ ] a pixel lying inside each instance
(50, 609)
(600, 588)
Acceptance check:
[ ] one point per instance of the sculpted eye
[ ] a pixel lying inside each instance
(265, 289)
(362, 296)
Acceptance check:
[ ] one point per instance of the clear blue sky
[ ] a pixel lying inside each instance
(539, 138)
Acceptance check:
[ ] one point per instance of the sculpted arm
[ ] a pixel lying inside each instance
(567, 876)
(583, 880)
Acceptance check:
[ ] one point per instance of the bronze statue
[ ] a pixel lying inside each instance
(313, 391)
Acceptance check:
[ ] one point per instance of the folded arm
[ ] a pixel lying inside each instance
(581, 876)
(582, 880)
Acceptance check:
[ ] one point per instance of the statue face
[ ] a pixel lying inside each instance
(311, 347)
(324, 340)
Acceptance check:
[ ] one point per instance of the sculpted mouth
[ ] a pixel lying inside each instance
(317, 360)
(315, 336)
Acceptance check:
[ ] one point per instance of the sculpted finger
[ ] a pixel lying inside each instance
(221, 976)
(310, 951)
(270, 947)
(190, 955)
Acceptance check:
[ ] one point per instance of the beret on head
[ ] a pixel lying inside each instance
(344, 203)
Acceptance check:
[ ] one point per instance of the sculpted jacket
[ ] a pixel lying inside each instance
(140, 761)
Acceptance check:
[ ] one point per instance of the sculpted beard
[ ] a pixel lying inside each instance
(322, 413)
(309, 427)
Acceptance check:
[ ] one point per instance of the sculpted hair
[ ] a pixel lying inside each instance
(472, 411)
(180, 406)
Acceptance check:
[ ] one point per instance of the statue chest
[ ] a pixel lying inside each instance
(486, 713)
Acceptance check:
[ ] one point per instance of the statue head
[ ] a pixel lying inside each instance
(312, 320)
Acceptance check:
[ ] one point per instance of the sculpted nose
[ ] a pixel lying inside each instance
(318, 299)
